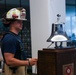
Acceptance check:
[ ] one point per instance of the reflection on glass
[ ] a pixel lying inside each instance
(70, 26)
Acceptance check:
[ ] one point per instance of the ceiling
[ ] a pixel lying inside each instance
(15, 2)
(71, 2)
(26, 2)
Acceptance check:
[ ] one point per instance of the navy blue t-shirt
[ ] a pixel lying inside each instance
(11, 43)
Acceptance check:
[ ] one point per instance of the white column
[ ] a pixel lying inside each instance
(43, 14)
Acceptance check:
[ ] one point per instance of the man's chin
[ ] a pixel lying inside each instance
(19, 29)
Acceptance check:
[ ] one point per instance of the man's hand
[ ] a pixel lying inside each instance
(32, 61)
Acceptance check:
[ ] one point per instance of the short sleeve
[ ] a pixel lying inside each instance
(9, 45)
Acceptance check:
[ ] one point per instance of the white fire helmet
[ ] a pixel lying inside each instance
(16, 13)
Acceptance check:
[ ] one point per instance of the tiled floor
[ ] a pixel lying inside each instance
(28, 74)
(32, 74)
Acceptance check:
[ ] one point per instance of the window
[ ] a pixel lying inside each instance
(70, 26)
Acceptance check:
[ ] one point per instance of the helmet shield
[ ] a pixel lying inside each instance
(16, 13)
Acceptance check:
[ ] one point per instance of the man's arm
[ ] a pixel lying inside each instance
(11, 61)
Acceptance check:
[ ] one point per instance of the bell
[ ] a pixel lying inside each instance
(58, 34)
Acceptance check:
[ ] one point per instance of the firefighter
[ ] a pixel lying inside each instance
(15, 60)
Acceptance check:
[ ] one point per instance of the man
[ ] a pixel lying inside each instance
(11, 45)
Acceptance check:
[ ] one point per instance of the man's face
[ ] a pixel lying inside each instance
(18, 25)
